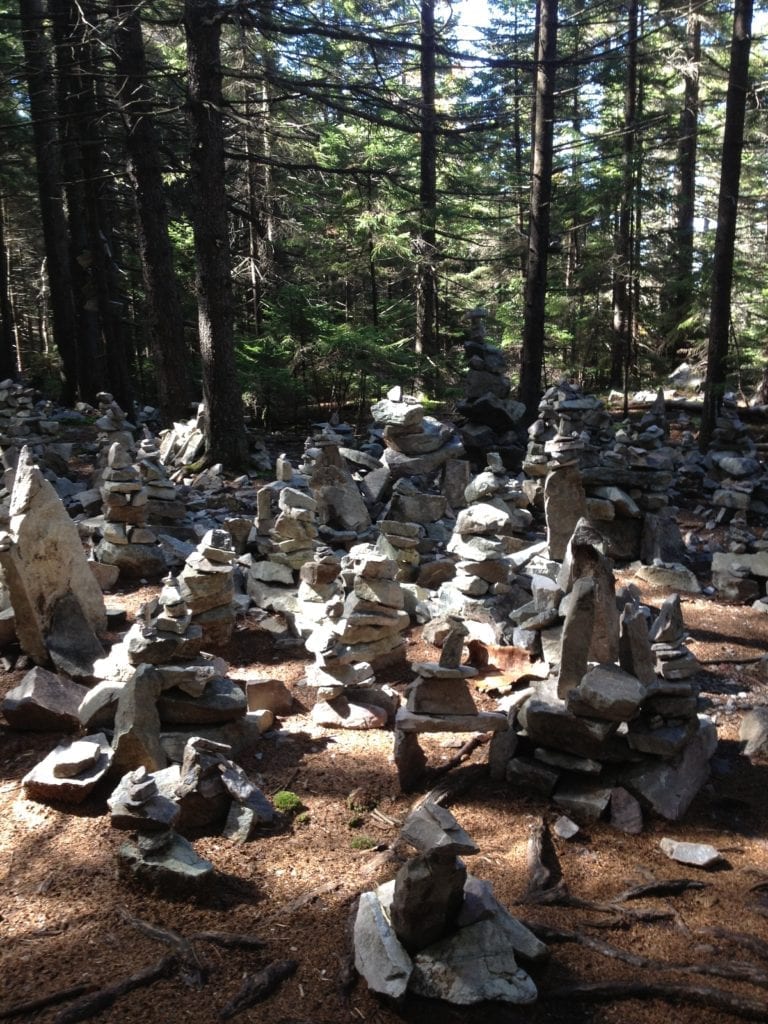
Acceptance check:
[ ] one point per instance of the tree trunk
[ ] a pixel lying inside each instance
(226, 439)
(145, 172)
(725, 236)
(426, 250)
(624, 250)
(42, 104)
(532, 358)
(7, 333)
(676, 295)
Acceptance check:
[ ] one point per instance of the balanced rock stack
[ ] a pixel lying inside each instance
(281, 545)
(619, 723)
(341, 511)
(736, 481)
(439, 700)
(416, 445)
(113, 423)
(348, 648)
(206, 584)
(321, 591)
(491, 416)
(400, 541)
(20, 419)
(126, 541)
(626, 476)
(163, 504)
(439, 932)
(486, 532)
(160, 686)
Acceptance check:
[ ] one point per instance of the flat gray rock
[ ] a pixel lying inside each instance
(166, 863)
(44, 783)
(432, 827)
(699, 855)
(44, 701)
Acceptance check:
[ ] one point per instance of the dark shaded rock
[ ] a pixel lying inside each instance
(429, 892)
(44, 701)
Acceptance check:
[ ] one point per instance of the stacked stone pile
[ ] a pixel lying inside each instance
(281, 545)
(163, 503)
(626, 474)
(416, 445)
(342, 514)
(616, 728)
(490, 416)
(437, 931)
(736, 480)
(207, 586)
(364, 634)
(439, 700)
(158, 688)
(183, 444)
(126, 541)
(113, 423)
(24, 419)
(487, 531)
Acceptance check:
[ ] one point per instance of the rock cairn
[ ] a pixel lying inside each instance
(490, 416)
(626, 474)
(23, 419)
(416, 445)
(113, 423)
(163, 503)
(127, 542)
(158, 688)
(364, 634)
(437, 931)
(735, 480)
(486, 532)
(206, 585)
(439, 700)
(616, 727)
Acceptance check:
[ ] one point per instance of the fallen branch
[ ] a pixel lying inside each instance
(62, 996)
(671, 887)
(734, 970)
(301, 901)
(750, 942)
(608, 992)
(458, 758)
(105, 997)
(258, 987)
(193, 971)
(231, 939)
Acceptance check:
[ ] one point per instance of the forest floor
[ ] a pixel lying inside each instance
(67, 919)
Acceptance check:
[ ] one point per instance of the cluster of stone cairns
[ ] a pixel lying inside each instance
(22, 417)
(184, 443)
(361, 632)
(490, 416)
(626, 474)
(439, 700)
(437, 931)
(127, 542)
(206, 583)
(614, 727)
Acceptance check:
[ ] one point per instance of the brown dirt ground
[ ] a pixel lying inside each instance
(62, 903)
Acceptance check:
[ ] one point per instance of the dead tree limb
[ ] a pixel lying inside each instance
(90, 1005)
(230, 939)
(699, 995)
(258, 987)
(62, 996)
(734, 970)
(670, 887)
(194, 972)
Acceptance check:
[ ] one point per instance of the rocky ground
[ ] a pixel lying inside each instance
(69, 923)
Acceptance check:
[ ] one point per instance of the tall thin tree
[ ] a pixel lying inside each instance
(226, 438)
(532, 357)
(727, 208)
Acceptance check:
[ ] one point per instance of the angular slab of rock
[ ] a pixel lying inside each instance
(753, 732)
(427, 898)
(564, 505)
(222, 701)
(626, 814)
(136, 739)
(470, 966)
(379, 956)
(46, 781)
(342, 714)
(432, 827)
(635, 654)
(44, 701)
(607, 692)
(553, 725)
(699, 855)
(670, 786)
(45, 561)
(166, 863)
(577, 635)
(583, 797)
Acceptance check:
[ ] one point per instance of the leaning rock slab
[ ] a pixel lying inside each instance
(44, 701)
(166, 863)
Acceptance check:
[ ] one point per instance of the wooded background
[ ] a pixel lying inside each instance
(287, 206)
